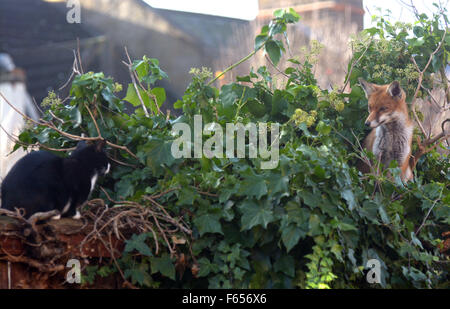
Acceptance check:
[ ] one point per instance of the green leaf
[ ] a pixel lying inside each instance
(160, 95)
(124, 187)
(291, 236)
(256, 214)
(141, 67)
(75, 116)
(337, 250)
(137, 242)
(323, 128)
(159, 152)
(418, 31)
(206, 267)
(346, 227)
(311, 199)
(208, 223)
(278, 183)
(286, 265)
(113, 101)
(164, 265)
(260, 41)
(133, 98)
(347, 195)
(278, 13)
(383, 215)
(253, 186)
(295, 16)
(228, 95)
(257, 108)
(315, 226)
(274, 51)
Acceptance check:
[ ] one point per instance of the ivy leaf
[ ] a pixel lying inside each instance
(228, 95)
(133, 98)
(278, 183)
(124, 187)
(346, 227)
(323, 128)
(139, 274)
(164, 265)
(278, 13)
(383, 214)
(141, 67)
(314, 224)
(208, 223)
(75, 116)
(113, 101)
(254, 214)
(260, 40)
(137, 242)
(159, 152)
(291, 236)
(160, 95)
(256, 108)
(336, 249)
(370, 210)
(274, 51)
(206, 267)
(253, 186)
(347, 195)
(416, 240)
(286, 265)
(311, 199)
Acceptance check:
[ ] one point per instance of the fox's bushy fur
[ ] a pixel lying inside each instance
(392, 129)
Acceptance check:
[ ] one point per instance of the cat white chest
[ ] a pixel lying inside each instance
(93, 181)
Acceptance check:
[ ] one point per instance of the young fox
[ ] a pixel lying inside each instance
(391, 135)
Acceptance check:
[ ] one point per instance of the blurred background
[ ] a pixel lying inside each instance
(181, 34)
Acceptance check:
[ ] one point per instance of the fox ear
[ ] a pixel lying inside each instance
(395, 90)
(368, 88)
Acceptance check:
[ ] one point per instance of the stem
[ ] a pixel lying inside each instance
(241, 104)
(231, 67)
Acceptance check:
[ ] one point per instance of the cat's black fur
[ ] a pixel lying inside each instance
(42, 181)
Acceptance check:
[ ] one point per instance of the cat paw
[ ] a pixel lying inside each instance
(56, 217)
(77, 216)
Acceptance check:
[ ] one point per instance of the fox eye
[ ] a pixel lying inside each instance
(382, 109)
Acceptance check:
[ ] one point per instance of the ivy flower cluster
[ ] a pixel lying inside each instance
(300, 116)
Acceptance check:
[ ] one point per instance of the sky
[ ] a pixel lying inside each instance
(400, 12)
(248, 9)
(241, 9)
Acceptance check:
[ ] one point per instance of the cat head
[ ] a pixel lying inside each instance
(93, 154)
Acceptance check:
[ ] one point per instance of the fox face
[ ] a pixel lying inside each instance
(386, 103)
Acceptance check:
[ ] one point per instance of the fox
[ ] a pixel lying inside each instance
(392, 129)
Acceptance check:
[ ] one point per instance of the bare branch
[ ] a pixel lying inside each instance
(133, 79)
(419, 84)
(68, 135)
(347, 79)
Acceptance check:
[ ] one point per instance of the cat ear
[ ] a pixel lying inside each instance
(81, 144)
(100, 145)
(395, 90)
(368, 88)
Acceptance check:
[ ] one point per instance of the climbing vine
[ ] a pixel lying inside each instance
(313, 221)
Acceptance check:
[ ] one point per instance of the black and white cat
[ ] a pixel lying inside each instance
(42, 181)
